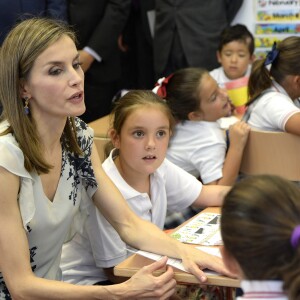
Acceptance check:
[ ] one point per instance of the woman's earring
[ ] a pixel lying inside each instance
(26, 107)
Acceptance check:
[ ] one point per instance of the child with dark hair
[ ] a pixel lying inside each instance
(235, 54)
(198, 144)
(274, 89)
(260, 227)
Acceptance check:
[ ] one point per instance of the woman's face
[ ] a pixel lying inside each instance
(55, 84)
(143, 140)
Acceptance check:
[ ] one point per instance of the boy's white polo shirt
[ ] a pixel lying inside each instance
(221, 78)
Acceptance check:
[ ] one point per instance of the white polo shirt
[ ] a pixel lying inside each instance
(199, 147)
(171, 189)
(220, 77)
(272, 109)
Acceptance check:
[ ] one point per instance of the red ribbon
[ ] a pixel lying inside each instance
(162, 83)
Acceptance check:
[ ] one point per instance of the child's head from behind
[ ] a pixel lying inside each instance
(235, 51)
(141, 129)
(260, 227)
(284, 63)
(192, 94)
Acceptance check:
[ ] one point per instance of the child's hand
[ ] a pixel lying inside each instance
(238, 134)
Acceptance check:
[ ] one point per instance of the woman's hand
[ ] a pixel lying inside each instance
(195, 260)
(148, 286)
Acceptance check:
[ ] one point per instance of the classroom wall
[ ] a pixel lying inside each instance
(246, 15)
(270, 21)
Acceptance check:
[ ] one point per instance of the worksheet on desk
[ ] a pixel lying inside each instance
(204, 229)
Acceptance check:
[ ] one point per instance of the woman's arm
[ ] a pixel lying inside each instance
(145, 235)
(22, 282)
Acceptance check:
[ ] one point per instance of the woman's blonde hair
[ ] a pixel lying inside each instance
(25, 42)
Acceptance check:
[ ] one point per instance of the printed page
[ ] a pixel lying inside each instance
(202, 230)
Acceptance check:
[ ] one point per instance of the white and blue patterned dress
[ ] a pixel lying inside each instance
(49, 224)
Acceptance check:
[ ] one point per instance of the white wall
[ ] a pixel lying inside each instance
(246, 15)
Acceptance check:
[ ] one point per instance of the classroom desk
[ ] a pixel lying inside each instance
(101, 126)
(131, 265)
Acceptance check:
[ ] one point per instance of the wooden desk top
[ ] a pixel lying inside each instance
(131, 265)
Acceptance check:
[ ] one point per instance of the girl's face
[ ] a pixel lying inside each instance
(143, 141)
(55, 84)
(214, 102)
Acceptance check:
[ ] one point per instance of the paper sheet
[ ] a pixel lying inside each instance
(202, 230)
(174, 262)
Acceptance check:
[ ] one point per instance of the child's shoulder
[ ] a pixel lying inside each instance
(218, 75)
(216, 71)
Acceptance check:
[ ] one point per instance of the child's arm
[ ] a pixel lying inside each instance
(293, 124)
(211, 195)
(238, 135)
(111, 276)
(144, 235)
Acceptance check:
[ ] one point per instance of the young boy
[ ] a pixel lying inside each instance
(235, 54)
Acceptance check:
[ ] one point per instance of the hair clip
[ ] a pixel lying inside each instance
(295, 237)
(271, 56)
(161, 86)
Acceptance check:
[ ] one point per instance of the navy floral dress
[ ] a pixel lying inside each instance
(49, 224)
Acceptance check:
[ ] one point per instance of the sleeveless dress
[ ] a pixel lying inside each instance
(50, 224)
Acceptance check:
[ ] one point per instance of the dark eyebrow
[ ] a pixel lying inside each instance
(77, 56)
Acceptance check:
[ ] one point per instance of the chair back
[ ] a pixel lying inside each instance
(101, 126)
(100, 143)
(276, 153)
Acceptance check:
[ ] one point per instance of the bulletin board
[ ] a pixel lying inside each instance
(269, 21)
(275, 20)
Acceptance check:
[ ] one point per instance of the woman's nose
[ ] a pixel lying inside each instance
(76, 77)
